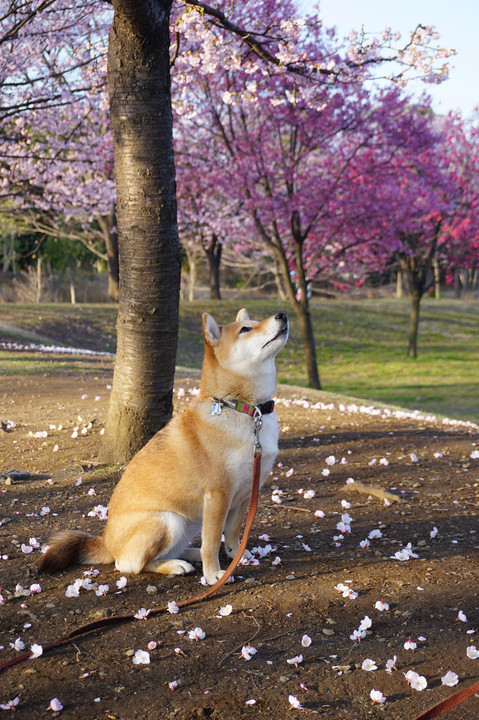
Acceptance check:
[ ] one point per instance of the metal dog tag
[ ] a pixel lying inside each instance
(216, 408)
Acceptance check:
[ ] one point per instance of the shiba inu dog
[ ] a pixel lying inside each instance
(195, 474)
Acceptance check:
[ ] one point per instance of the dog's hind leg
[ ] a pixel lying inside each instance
(156, 547)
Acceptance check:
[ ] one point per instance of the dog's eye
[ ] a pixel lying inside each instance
(245, 329)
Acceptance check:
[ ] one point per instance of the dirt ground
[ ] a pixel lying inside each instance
(285, 607)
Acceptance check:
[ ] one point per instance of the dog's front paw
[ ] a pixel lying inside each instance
(212, 577)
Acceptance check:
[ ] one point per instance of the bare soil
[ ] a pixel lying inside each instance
(429, 468)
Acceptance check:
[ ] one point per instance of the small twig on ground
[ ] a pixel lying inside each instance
(290, 507)
(371, 490)
(247, 642)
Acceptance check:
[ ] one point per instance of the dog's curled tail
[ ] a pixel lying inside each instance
(70, 547)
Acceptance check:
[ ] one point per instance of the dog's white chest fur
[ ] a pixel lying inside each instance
(239, 460)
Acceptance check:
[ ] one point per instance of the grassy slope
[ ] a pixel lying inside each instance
(361, 346)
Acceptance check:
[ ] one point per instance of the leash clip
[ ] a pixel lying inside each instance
(258, 424)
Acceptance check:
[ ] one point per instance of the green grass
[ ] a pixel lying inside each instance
(91, 327)
(361, 346)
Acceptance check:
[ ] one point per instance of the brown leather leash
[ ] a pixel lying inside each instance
(449, 703)
(118, 619)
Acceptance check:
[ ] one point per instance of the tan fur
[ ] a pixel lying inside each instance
(195, 474)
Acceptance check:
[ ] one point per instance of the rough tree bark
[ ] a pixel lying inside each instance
(149, 250)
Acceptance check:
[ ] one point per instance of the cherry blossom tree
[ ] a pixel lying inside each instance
(439, 194)
(415, 201)
(72, 196)
(55, 145)
(206, 214)
(461, 231)
(288, 152)
(263, 37)
(276, 158)
(51, 51)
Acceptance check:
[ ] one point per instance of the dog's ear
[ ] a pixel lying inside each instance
(211, 331)
(242, 316)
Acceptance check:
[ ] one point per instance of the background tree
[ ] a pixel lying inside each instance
(415, 196)
(55, 145)
(290, 156)
(207, 215)
(461, 229)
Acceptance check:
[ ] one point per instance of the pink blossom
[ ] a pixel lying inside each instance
(141, 614)
(294, 702)
(295, 660)
(450, 679)
(247, 651)
(55, 705)
(102, 590)
(141, 657)
(196, 634)
(391, 665)
(377, 696)
(11, 704)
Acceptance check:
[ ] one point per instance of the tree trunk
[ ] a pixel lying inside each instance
(38, 293)
(278, 280)
(305, 323)
(302, 306)
(302, 311)
(73, 298)
(457, 283)
(399, 289)
(110, 235)
(437, 279)
(414, 323)
(192, 272)
(213, 253)
(403, 283)
(149, 250)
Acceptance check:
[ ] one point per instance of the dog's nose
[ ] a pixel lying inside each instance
(281, 316)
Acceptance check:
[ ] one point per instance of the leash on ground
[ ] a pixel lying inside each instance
(433, 712)
(119, 619)
(449, 703)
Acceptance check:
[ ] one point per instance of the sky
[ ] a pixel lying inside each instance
(457, 22)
